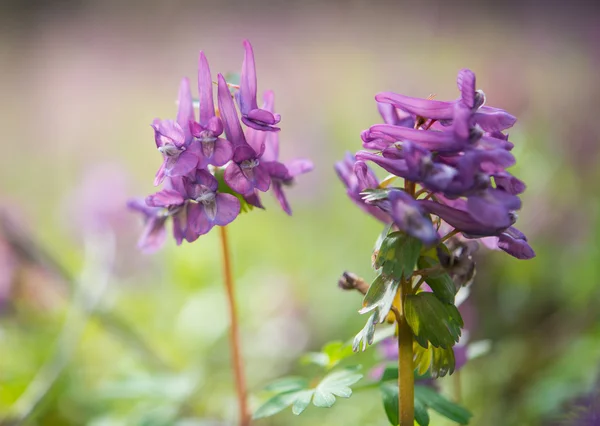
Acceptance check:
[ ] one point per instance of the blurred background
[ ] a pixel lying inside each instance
(92, 332)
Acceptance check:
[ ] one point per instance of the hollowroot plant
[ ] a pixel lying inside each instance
(448, 190)
(213, 170)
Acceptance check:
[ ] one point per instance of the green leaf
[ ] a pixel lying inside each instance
(430, 398)
(380, 297)
(331, 354)
(302, 401)
(421, 414)
(440, 282)
(389, 394)
(432, 320)
(398, 255)
(335, 384)
(365, 336)
(275, 404)
(438, 361)
(317, 358)
(287, 384)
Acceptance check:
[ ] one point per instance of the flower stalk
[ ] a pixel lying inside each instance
(406, 378)
(234, 333)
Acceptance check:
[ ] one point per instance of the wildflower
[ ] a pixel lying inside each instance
(456, 152)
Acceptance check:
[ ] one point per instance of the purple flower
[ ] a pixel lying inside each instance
(245, 173)
(174, 139)
(252, 116)
(213, 149)
(456, 157)
(210, 208)
(357, 177)
(281, 174)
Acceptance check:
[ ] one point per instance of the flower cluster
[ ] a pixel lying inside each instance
(211, 166)
(453, 158)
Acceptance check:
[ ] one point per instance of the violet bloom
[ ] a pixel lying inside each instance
(245, 173)
(174, 139)
(211, 207)
(252, 116)
(213, 149)
(281, 174)
(457, 157)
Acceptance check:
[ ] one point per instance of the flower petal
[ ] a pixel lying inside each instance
(262, 180)
(466, 85)
(237, 180)
(299, 166)
(247, 96)
(438, 110)
(280, 196)
(228, 208)
(493, 119)
(205, 91)
(231, 123)
(154, 235)
(185, 164)
(165, 198)
(198, 221)
(223, 152)
(515, 243)
(185, 111)
(492, 207)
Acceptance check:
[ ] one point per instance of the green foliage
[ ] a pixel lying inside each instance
(440, 282)
(438, 361)
(380, 297)
(428, 397)
(331, 354)
(389, 395)
(432, 320)
(425, 398)
(397, 255)
(295, 391)
(365, 336)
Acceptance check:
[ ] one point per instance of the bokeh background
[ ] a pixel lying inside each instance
(142, 340)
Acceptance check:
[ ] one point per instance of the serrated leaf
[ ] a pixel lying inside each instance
(380, 297)
(441, 283)
(275, 404)
(335, 384)
(302, 401)
(365, 336)
(432, 320)
(437, 361)
(389, 393)
(430, 398)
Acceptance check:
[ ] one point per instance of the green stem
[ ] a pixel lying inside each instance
(406, 378)
(236, 348)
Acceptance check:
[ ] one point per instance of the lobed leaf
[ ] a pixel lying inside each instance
(380, 297)
(440, 282)
(432, 320)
